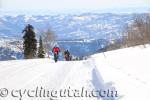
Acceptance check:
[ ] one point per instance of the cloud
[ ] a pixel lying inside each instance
(70, 4)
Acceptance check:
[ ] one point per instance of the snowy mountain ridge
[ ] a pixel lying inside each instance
(10, 49)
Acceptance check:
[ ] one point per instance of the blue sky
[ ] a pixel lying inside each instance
(56, 5)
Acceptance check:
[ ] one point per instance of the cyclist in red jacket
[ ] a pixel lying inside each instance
(56, 51)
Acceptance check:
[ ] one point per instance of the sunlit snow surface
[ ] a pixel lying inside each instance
(125, 71)
(128, 70)
(45, 73)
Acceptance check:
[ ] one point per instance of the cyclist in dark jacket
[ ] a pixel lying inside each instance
(67, 55)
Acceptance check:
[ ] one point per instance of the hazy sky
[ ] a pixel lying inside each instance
(70, 4)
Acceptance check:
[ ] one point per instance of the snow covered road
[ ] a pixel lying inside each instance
(125, 71)
(44, 73)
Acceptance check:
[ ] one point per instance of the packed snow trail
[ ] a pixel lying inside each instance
(46, 74)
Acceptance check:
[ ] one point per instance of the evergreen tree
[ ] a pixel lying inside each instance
(30, 42)
(41, 52)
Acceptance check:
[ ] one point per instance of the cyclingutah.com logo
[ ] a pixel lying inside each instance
(40, 92)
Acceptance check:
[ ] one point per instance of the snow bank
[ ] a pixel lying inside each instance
(127, 70)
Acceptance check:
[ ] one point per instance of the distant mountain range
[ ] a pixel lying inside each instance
(82, 26)
(82, 34)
